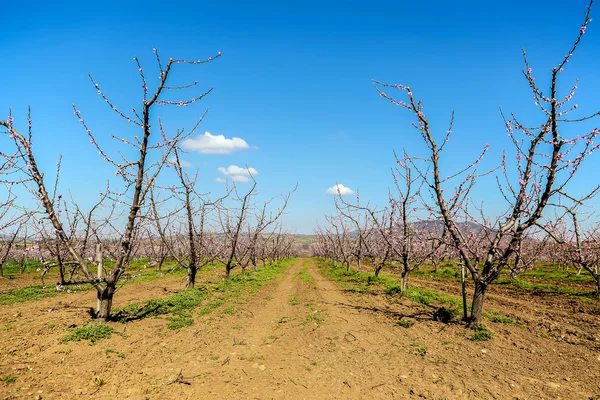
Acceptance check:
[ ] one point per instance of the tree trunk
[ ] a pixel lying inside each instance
(377, 270)
(404, 280)
(597, 285)
(477, 305)
(190, 280)
(106, 298)
(358, 264)
(228, 269)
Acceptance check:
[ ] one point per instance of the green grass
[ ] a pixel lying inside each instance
(9, 379)
(493, 316)
(12, 268)
(419, 350)
(211, 306)
(177, 304)
(365, 283)
(37, 292)
(542, 287)
(93, 333)
(305, 276)
(405, 323)
(180, 321)
(109, 352)
(481, 334)
(293, 300)
(180, 305)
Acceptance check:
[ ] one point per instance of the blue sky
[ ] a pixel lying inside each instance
(294, 83)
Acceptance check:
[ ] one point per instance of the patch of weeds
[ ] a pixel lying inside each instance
(52, 326)
(177, 303)
(306, 277)
(9, 379)
(6, 327)
(481, 334)
(495, 317)
(419, 350)
(93, 333)
(229, 310)
(108, 352)
(293, 300)
(237, 327)
(524, 287)
(34, 292)
(67, 351)
(214, 358)
(99, 381)
(180, 304)
(428, 297)
(314, 317)
(393, 290)
(180, 321)
(405, 323)
(211, 306)
(12, 353)
(283, 320)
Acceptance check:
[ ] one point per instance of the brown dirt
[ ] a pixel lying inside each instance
(293, 340)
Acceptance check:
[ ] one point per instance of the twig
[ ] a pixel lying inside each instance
(180, 379)
(226, 361)
(304, 386)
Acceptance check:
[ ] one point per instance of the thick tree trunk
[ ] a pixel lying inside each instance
(404, 280)
(106, 298)
(228, 269)
(477, 305)
(190, 280)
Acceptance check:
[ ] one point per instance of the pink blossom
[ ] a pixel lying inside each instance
(582, 30)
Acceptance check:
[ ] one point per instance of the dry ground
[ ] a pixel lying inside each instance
(300, 337)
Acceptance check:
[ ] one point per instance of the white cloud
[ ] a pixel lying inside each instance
(214, 144)
(236, 173)
(340, 189)
(184, 164)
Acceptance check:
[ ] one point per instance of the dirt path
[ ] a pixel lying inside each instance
(302, 337)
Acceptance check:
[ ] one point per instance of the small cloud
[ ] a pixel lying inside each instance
(236, 173)
(184, 164)
(214, 144)
(340, 189)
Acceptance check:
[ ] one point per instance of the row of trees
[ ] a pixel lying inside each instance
(432, 215)
(137, 216)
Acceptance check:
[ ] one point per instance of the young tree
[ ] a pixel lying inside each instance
(138, 175)
(546, 162)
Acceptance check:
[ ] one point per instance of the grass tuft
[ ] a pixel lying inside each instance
(93, 333)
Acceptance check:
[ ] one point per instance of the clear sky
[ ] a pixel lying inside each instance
(294, 84)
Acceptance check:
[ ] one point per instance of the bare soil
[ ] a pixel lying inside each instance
(302, 338)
